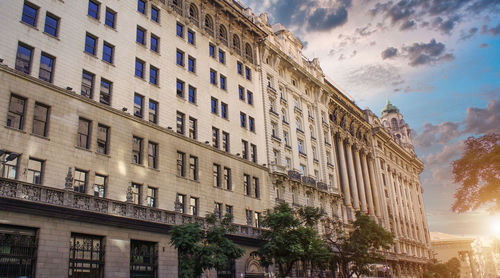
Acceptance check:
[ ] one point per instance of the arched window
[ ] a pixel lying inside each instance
(248, 52)
(177, 6)
(236, 43)
(193, 13)
(209, 24)
(394, 123)
(223, 34)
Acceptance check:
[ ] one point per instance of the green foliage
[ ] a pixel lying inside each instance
(200, 250)
(450, 269)
(478, 172)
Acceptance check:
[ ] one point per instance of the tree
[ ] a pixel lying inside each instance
(478, 172)
(450, 269)
(290, 238)
(355, 248)
(200, 250)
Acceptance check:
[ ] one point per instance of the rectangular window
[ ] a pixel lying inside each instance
(216, 175)
(102, 139)
(141, 6)
(180, 203)
(15, 116)
(80, 181)
(86, 256)
(137, 150)
(90, 44)
(99, 185)
(218, 210)
(153, 155)
(143, 258)
(251, 124)
(23, 58)
(153, 75)
(83, 133)
(222, 56)
(87, 84)
(244, 149)
(250, 97)
(239, 68)
(253, 149)
(227, 179)
(46, 67)
(35, 171)
(243, 120)
(285, 138)
(107, 52)
(180, 88)
(153, 111)
(191, 64)
(140, 35)
(193, 128)
(256, 187)
(256, 219)
(229, 209)
(105, 93)
(136, 193)
(223, 84)
(11, 166)
(247, 185)
(213, 77)
(180, 58)
(93, 10)
(180, 30)
(155, 14)
(110, 18)
(193, 167)
(138, 105)
(30, 13)
(180, 122)
(139, 68)
(241, 93)
(192, 94)
(214, 105)
(193, 206)
(191, 37)
(152, 197)
(155, 43)
(223, 110)
(181, 162)
(211, 50)
(225, 141)
(215, 137)
(300, 145)
(51, 24)
(248, 73)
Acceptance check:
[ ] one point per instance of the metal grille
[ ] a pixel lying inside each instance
(143, 259)
(86, 256)
(17, 251)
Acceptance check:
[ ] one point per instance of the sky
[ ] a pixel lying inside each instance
(438, 61)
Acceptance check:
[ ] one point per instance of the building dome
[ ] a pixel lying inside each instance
(389, 108)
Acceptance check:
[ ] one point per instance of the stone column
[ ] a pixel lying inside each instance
(375, 191)
(344, 181)
(369, 193)
(352, 176)
(359, 178)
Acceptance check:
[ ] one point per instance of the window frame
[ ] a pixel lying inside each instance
(107, 19)
(24, 15)
(15, 114)
(81, 135)
(137, 150)
(95, 14)
(56, 19)
(45, 121)
(102, 143)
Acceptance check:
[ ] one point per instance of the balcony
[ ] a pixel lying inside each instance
(322, 186)
(270, 88)
(274, 112)
(309, 181)
(294, 175)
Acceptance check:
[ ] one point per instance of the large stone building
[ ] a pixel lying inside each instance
(123, 118)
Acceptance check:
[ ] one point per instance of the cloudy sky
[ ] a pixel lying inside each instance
(437, 60)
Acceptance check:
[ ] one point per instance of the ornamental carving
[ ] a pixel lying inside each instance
(119, 209)
(81, 202)
(139, 212)
(30, 192)
(101, 205)
(8, 189)
(54, 197)
(154, 215)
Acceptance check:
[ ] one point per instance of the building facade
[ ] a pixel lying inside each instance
(123, 119)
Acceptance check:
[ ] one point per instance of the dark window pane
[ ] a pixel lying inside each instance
(23, 58)
(51, 23)
(29, 14)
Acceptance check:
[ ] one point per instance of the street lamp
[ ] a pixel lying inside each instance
(8, 156)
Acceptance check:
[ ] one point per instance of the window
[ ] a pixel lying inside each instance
(140, 35)
(239, 68)
(218, 210)
(256, 187)
(241, 93)
(180, 30)
(243, 120)
(193, 128)
(30, 13)
(244, 149)
(40, 119)
(222, 56)
(86, 256)
(87, 84)
(137, 150)
(215, 104)
(110, 18)
(180, 122)
(141, 6)
(288, 163)
(35, 171)
(155, 14)
(99, 185)
(155, 43)
(139, 68)
(19, 251)
(83, 133)
(251, 124)
(213, 77)
(181, 159)
(10, 170)
(90, 44)
(223, 110)
(191, 64)
(80, 181)
(180, 88)
(315, 153)
(193, 206)
(225, 141)
(23, 58)
(211, 50)
(274, 130)
(247, 185)
(276, 157)
(180, 203)
(298, 124)
(223, 84)
(285, 138)
(256, 219)
(180, 58)
(138, 105)
(102, 139)
(152, 197)
(253, 149)
(215, 137)
(51, 24)
(143, 258)
(303, 169)
(15, 116)
(136, 193)
(229, 209)
(153, 155)
(107, 52)
(191, 37)
(153, 75)
(153, 111)
(300, 144)
(248, 73)
(193, 167)
(248, 214)
(192, 94)
(93, 10)
(250, 97)
(105, 96)
(216, 175)
(227, 178)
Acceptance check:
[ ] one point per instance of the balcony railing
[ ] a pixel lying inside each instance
(309, 181)
(322, 186)
(294, 175)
